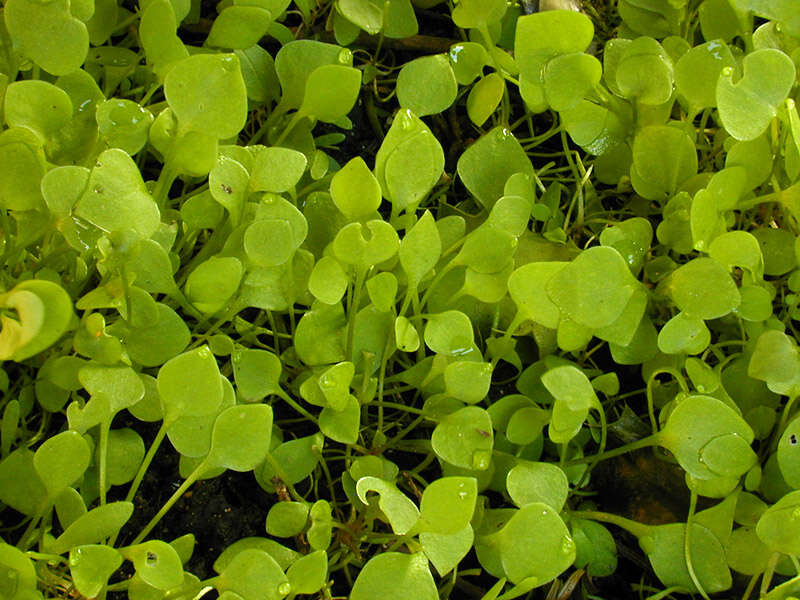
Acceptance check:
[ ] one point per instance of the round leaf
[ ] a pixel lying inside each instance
(241, 436)
(465, 438)
(395, 576)
(427, 85)
(207, 93)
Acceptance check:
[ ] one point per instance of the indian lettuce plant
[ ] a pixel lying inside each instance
(574, 236)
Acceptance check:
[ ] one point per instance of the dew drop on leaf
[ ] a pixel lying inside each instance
(480, 460)
(284, 588)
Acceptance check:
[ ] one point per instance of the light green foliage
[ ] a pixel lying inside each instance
(207, 93)
(354, 190)
(394, 575)
(549, 50)
(748, 105)
(487, 164)
(193, 235)
(409, 162)
(427, 85)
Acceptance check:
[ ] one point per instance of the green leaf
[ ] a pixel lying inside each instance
(470, 14)
(49, 34)
(287, 519)
(740, 249)
(536, 544)
(342, 425)
(395, 576)
(702, 288)
(298, 459)
(355, 191)
(449, 333)
(37, 105)
(125, 453)
(663, 158)
(409, 162)
(708, 438)
(788, 453)
(400, 511)
(747, 107)
(240, 439)
(319, 338)
(61, 460)
(382, 290)
(529, 482)
(189, 384)
(644, 72)
(427, 85)
(465, 438)
(468, 60)
(594, 288)
(468, 381)
(239, 27)
(21, 488)
(157, 563)
(212, 284)
(778, 525)
(309, 573)
(570, 77)
(331, 91)
(487, 250)
(154, 345)
(207, 93)
(684, 333)
(697, 72)
(777, 248)
(276, 169)
(445, 551)
(116, 198)
(486, 165)
(253, 574)
(596, 550)
(296, 60)
(354, 246)
(228, 184)
(540, 38)
(527, 287)
(406, 335)
(22, 165)
(328, 281)
(666, 550)
(257, 373)
(124, 124)
(91, 566)
(447, 505)
(93, 527)
(44, 312)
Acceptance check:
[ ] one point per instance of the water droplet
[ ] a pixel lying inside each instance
(462, 495)
(345, 56)
(406, 119)
(481, 459)
(284, 588)
(502, 134)
(567, 545)
(98, 189)
(228, 62)
(455, 51)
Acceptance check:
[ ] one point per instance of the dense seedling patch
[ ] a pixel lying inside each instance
(424, 296)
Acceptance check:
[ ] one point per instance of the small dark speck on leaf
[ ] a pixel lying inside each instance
(793, 440)
(226, 188)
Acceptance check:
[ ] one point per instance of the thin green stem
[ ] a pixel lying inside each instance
(640, 530)
(687, 550)
(184, 487)
(651, 440)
